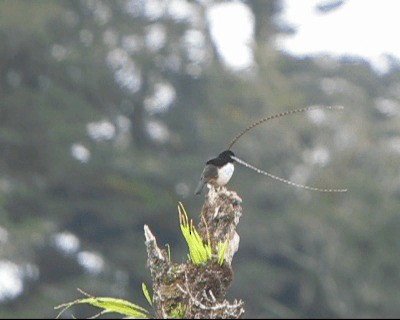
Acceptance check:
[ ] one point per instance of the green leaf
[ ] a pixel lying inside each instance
(222, 247)
(146, 293)
(169, 251)
(177, 313)
(109, 305)
(199, 252)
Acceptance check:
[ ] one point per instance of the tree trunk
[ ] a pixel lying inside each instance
(198, 291)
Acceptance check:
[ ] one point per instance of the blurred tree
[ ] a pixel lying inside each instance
(109, 110)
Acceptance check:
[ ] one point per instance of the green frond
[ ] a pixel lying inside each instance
(222, 247)
(177, 313)
(169, 251)
(146, 293)
(199, 252)
(109, 305)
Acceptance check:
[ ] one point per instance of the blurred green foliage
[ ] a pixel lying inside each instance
(68, 68)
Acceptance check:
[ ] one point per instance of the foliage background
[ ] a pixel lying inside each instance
(108, 112)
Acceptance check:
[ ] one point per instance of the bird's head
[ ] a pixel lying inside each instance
(227, 156)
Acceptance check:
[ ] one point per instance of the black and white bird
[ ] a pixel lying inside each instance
(218, 171)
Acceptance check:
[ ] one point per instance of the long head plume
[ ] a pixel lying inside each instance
(247, 165)
(282, 114)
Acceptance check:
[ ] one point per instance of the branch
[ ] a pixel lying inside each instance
(197, 290)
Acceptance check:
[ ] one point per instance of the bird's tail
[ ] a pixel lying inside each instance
(200, 187)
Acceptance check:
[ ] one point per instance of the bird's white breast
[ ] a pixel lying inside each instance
(225, 173)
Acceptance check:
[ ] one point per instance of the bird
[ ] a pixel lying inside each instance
(218, 171)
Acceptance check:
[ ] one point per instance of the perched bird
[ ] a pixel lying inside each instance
(218, 171)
